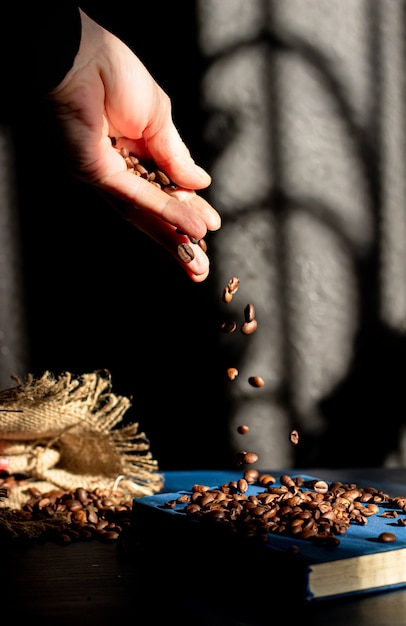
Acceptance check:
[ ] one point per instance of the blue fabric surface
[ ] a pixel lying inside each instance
(180, 480)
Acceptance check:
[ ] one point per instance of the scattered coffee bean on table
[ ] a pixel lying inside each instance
(387, 537)
(306, 509)
(68, 516)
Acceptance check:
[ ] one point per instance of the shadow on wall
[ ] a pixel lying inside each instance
(365, 415)
(361, 420)
(101, 295)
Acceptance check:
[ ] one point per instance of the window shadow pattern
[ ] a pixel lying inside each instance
(350, 412)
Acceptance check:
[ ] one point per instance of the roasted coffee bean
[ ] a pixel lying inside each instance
(294, 437)
(202, 245)
(183, 498)
(390, 514)
(248, 328)
(231, 289)
(266, 479)
(200, 488)
(141, 170)
(243, 429)
(192, 239)
(109, 536)
(387, 537)
(400, 502)
(162, 178)
(251, 475)
(320, 486)
(256, 381)
(242, 485)
(227, 295)
(81, 495)
(246, 458)
(249, 313)
(233, 285)
(133, 160)
(228, 327)
(232, 373)
(92, 517)
(185, 252)
(287, 481)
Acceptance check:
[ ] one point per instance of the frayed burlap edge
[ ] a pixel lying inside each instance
(74, 420)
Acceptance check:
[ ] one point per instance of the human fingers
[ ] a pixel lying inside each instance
(194, 262)
(167, 149)
(182, 208)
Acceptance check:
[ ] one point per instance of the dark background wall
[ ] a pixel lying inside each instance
(297, 110)
(99, 294)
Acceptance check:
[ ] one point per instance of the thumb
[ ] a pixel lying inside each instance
(172, 156)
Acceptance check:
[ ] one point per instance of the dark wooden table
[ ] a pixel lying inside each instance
(94, 583)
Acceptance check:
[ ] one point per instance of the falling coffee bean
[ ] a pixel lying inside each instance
(246, 458)
(233, 284)
(232, 373)
(249, 313)
(243, 429)
(248, 328)
(256, 381)
(294, 437)
(231, 289)
(228, 327)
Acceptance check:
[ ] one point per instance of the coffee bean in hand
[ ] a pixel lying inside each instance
(185, 252)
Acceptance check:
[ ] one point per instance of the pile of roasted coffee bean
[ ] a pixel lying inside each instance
(304, 509)
(67, 516)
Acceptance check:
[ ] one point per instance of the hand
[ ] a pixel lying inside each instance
(108, 94)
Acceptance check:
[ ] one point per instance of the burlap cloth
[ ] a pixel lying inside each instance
(64, 432)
